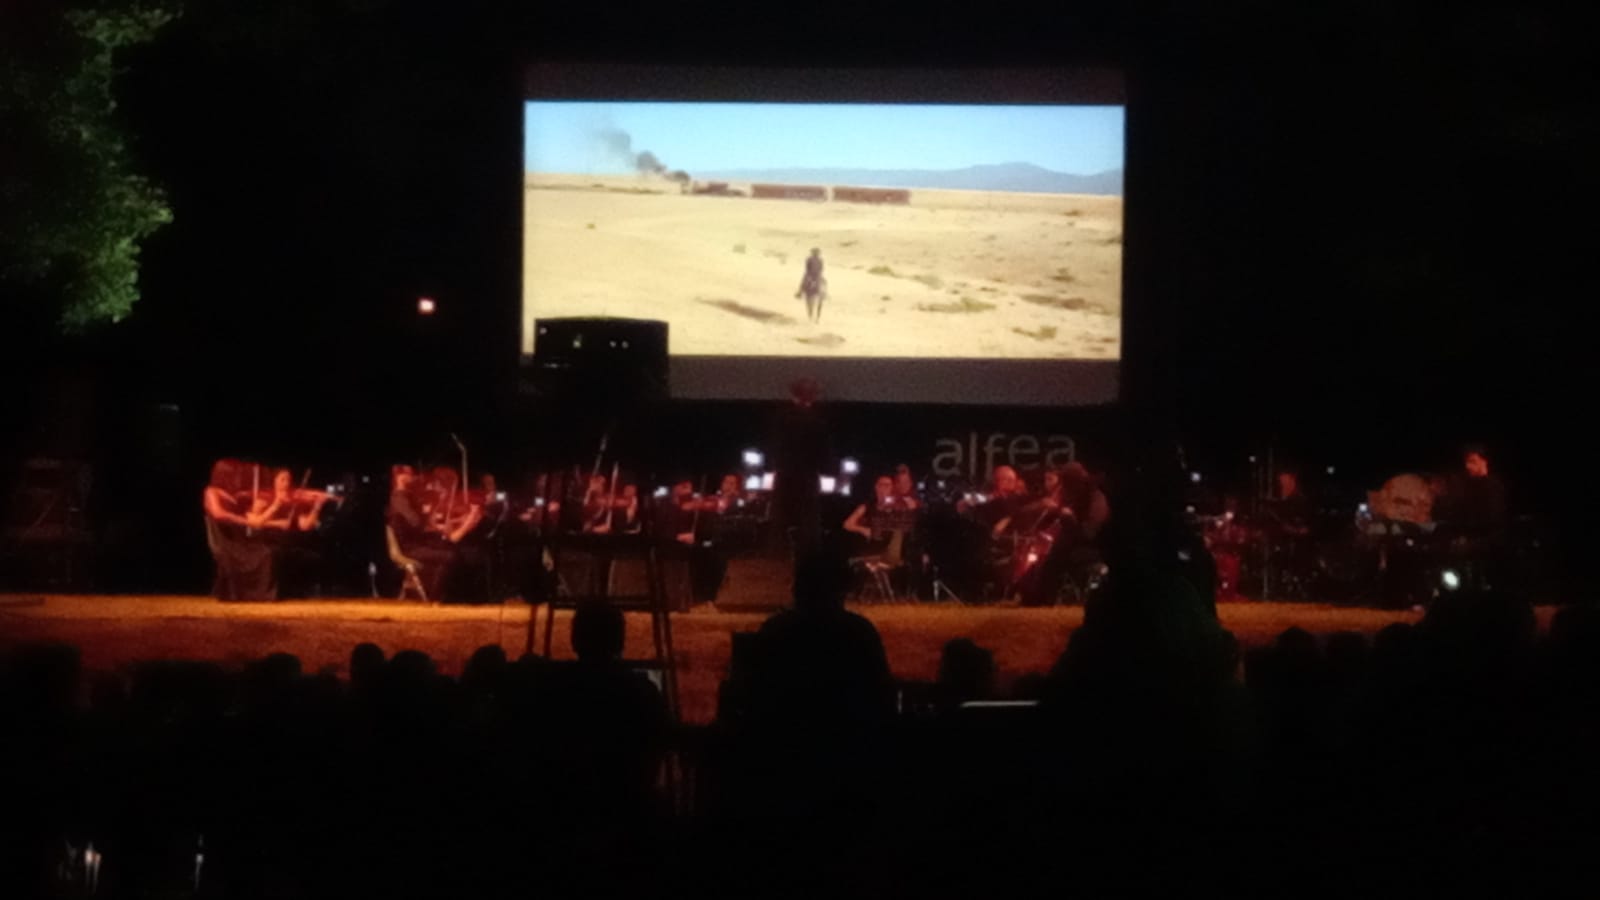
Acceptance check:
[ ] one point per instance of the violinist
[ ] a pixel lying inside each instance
(290, 517)
(492, 509)
(882, 526)
(730, 495)
(596, 508)
(419, 535)
(685, 516)
(450, 507)
(864, 517)
(289, 509)
(489, 497)
(905, 489)
(625, 518)
(244, 565)
(486, 546)
(910, 511)
(679, 515)
(545, 512)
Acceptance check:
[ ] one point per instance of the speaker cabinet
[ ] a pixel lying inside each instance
(599, 355)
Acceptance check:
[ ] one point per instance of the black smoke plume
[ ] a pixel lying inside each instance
(620, 144)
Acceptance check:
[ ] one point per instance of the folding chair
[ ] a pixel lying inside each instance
(410, 580)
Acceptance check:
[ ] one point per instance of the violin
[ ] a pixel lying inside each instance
(311, 495)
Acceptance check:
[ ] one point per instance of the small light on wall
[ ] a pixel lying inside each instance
(426, 306)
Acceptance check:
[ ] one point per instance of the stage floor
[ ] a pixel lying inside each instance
(114, 631)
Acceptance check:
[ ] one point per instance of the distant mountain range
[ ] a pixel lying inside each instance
(1015, 176)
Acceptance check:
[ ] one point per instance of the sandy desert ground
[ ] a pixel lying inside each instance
(957, 274)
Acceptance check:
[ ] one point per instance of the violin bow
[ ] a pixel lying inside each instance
(463, 448)
(611, 499)
(255, 491)
(605, 438)
(694, 522)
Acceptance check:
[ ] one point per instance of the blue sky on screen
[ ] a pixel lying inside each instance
(572, 137)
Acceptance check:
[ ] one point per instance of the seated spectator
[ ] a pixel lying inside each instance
(366, 666)
(1147, 673)
(819, 664)
(485, 671)
(966, 672)
(606, 722)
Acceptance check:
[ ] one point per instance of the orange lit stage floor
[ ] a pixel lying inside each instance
(114, 631)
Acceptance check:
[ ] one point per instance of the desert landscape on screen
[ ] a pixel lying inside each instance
(952, 274)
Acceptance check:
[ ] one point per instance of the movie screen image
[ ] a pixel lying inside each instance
(835, 231)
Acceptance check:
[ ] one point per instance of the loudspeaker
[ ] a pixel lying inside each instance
(617, 358)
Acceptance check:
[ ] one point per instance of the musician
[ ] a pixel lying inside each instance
(625, 518)
(488, 545)
(1042, 512)
(1081, 511)
(1474, 504)
(675, 517)
(435, 547)
(862, 519)
(905, 489)
(290, 517)
(1472, 514)
(494, 504)
(1006, 497)
(910, 510)
(684, 517)
(730, 495)
(244, 564)
(293, 509)
(1291, 512)
(596, 509)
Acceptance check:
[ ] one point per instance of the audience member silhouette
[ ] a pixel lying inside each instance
(600, 757)
(366, 666)
(966, 672)
(806, 767)
(1147, 674)
(606, 724)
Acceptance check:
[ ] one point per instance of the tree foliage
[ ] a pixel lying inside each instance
(73, 210)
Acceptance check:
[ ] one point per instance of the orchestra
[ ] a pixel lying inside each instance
(1028, 537)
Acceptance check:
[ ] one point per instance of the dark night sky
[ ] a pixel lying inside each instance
(1347, 226)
